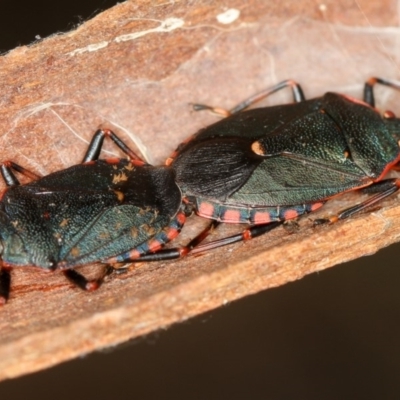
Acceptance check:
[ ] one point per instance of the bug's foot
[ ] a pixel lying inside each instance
(121, 270)
(291, 226)
(84, 283)
(94, 284)
(216, 110)
(323, 221)
(117, 269)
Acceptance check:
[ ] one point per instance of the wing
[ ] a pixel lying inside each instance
(286, 180)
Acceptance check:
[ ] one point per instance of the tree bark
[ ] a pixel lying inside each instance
(135, 68)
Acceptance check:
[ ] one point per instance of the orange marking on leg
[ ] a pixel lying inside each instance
(290, 214)
(107, 132)
(92, 286)
(247, 235)
(183, 251)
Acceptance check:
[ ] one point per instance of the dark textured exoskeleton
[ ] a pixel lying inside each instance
(267, 165)
(99, 210)
(261, 166)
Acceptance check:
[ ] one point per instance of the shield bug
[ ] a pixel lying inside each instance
(259, 166)
(263, 166)
(95, 211)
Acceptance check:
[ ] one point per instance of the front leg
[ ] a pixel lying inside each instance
(85, 284)
(5, 281)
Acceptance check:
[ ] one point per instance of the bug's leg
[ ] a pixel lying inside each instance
(94, 149)
(194, 246)
(369, 88)
(249, 233)
(298, 96)
(7, 173)
(384, 189)
(5, 280)
(377, 187)
(87, 284)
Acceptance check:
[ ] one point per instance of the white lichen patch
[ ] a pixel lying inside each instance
(89, 48)
(168, 25)
(228, 16)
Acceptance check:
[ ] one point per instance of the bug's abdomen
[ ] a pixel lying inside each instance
(251, 215)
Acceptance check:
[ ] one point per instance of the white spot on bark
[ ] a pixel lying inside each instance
(89, 48)
(228, 16)
(168, 25)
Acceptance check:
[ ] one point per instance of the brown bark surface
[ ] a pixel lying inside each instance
(135, 68)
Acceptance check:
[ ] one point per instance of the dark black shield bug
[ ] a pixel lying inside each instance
(267, 165)
(101, 210)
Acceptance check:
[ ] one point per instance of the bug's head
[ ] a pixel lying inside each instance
(15, 250)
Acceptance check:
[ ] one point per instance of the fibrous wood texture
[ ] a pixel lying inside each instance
(135, 68)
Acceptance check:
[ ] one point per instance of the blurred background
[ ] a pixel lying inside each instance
(332, 335)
